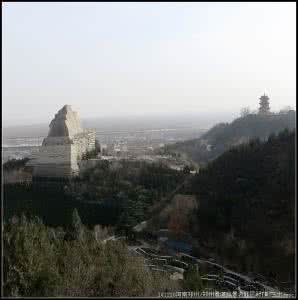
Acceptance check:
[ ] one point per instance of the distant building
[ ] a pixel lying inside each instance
(64, 146)
(264, 105)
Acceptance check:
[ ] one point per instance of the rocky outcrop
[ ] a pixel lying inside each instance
(66, 123)
(64, 146)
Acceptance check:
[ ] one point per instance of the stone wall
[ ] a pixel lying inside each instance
(54, 161)
(61, 160)
(65, 123)
(84, 142)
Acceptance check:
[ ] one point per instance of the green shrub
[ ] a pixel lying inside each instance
(39, 262)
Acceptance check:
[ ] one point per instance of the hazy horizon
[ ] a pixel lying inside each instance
(182, 117)
(112, 60)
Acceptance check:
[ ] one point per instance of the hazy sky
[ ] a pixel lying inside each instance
(109, 59)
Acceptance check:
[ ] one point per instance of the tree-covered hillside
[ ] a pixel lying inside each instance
(224, 135)
(110, 193)
(248, 195)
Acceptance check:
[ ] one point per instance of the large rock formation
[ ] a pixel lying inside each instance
(66, 123)
(63, 147)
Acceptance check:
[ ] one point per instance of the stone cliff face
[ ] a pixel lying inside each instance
(66, 123)
(64, 146)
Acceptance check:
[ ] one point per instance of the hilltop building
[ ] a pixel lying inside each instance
(64, 146)
(264, 105)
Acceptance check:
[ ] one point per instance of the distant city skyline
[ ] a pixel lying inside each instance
(145, 59)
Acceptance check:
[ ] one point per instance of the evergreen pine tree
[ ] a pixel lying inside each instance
(77, 227)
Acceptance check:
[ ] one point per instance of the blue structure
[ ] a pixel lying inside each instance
(178, 246)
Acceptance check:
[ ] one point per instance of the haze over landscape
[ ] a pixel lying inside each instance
(149, 149)
(155, 60)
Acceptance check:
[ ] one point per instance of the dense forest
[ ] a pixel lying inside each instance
(110, 193)
(225, 135)
(247, 205)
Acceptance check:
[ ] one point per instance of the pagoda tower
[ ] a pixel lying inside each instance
(264, 105)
